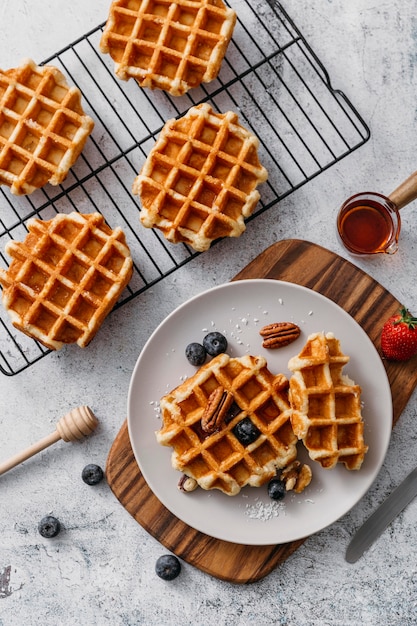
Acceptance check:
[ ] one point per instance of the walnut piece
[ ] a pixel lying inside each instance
(296, 476)
(187, 484)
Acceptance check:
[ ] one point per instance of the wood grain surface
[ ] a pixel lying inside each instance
(369, 304)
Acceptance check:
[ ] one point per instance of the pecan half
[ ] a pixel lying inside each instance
(218, 404)
(296, 476)
(279, 334)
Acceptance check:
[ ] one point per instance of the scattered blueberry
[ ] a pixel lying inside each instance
(195, 353)
(276, 489)
(49, 526)
(246, 431)
(168, 567)
(215, 343)
(92, 474)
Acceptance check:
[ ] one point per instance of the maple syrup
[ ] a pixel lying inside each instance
(369, 223)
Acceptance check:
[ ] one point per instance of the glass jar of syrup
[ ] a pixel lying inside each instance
(369, 223)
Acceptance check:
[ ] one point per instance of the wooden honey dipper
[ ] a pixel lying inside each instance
(75, 425)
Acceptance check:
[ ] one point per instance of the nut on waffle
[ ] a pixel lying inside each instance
(214, 456)
(65, 277)
(326, 404)
(199, 180)
(167, 45)
(43, 127)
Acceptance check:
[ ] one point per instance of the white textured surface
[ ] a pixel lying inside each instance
(101, 569)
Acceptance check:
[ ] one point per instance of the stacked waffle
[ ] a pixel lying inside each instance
(168, 45)
(204, 416)
(43, 127)
(199, 181)
(65, 277)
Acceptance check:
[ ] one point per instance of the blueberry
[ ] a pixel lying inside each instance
(215, 343)
(276, 489)
(49, 526)
(246, 431)
(195, 353)
(168, 567)
(92, 474)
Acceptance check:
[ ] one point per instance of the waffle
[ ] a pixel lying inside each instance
(43, 127)
(326, 404)
(167, 45)
(65, 277)
(218, 460)
(199, 180)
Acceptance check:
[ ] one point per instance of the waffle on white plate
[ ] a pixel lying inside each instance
(206, 434)
(65, 277)
(173, 46)
(326, 404)
(43, 127)
(200, 180)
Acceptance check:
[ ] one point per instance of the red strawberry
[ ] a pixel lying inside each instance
(399, 336)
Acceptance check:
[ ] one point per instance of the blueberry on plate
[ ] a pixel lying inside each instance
(195, 353)
(276, 489)
(246, 431)
(167, 567)
(49, 526)
(92, 474)
(215, 343)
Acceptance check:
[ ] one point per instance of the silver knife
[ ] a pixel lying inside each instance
(382, 517)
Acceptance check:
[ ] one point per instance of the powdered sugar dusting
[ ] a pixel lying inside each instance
(264, 511)
(156, 408)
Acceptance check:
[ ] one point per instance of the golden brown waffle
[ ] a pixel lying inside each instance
(218, 460)
(65, 277)
(43, 127)
(326, 404)
(199, 181)
(168, 45)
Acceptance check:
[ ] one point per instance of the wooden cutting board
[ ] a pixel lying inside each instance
(369, 304)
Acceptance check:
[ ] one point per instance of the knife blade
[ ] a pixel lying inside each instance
(382, 517)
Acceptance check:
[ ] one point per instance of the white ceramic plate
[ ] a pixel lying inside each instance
(238, 310)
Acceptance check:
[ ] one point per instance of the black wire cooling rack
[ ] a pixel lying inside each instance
(270, 76)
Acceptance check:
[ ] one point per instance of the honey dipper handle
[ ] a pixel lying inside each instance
(32, 450)
(406, 192)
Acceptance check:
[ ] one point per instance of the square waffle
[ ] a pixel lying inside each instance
(326, 404)
(199, 180)
(167, 45)
(219, 460)
(43, 127)
(65, 277)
